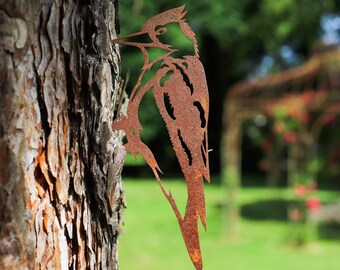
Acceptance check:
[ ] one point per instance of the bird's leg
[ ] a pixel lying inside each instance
(169, 198)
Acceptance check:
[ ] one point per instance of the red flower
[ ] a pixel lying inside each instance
(290, 137)
(307, 96)
(313, 204)
(312, 186)
(300, 190)
(328, 120)
(295, 215)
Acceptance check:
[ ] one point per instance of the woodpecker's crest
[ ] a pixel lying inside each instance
(153, 26)
(170, 16)
(181, 95)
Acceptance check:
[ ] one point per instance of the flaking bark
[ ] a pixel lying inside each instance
(61, 195)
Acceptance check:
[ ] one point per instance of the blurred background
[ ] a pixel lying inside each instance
(273, 72)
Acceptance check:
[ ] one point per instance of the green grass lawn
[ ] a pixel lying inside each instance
(152, 239)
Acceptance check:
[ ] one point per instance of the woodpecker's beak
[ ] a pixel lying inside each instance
(130, 40)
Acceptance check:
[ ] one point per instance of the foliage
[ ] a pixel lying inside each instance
(294, 117)
(244, 27)
(290, 117)
(294, 112)
(233, 37)
(306, 204)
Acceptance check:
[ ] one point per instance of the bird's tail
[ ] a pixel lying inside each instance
(188, 224)
(195, 209)
(189, 229)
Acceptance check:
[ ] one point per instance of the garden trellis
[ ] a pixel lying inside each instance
(318, 78)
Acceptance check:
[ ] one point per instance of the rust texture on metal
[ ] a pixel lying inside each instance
(181, 94)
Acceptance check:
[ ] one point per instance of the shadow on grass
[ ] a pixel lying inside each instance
(277, 210)
(272, 209)
(329, 231)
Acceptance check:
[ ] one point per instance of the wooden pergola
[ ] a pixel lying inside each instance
(247, 99)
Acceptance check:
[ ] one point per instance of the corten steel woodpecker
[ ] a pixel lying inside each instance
(181, 94)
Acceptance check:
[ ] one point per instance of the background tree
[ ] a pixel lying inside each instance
(234, 38)
(61, 194)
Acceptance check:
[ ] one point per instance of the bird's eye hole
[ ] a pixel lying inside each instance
(161, 31)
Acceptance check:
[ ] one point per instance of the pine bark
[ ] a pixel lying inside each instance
(61, 194)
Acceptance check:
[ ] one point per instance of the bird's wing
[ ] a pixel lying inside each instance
(175, 102)
(193, 71)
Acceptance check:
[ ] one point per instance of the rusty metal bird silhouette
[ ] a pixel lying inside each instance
(179, 82)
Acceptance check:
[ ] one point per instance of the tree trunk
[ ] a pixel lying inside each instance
(61, 194)
(231, 169)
